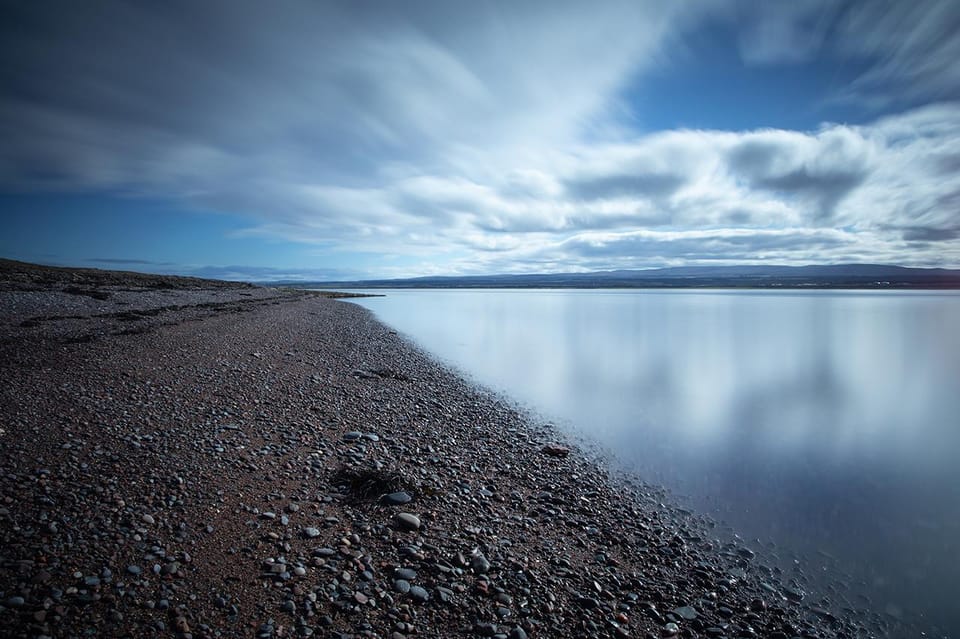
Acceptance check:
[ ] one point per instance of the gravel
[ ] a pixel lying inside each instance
(138, 467)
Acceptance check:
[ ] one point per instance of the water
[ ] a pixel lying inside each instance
(827, 422)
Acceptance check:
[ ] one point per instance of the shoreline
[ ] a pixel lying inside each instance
(213, 466)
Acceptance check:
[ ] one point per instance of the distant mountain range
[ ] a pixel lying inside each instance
(860, 276)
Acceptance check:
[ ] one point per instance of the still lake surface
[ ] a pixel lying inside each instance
(824, 422)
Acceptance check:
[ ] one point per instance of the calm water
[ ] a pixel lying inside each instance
(825, 422)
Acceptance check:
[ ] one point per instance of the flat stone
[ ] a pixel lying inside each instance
(686, 612)
(418, 594)
(352, 436)
(555, 450)
(408, 521)
(147, 519)
(397, 499)
(310, 532)
(405, 573)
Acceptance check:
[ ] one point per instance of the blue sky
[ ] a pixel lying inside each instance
(330, 140)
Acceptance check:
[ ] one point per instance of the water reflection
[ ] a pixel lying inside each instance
(826, 421)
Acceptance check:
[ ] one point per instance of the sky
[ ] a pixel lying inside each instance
(350, 140)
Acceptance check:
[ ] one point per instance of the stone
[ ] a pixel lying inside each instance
(405, 573)
(556, 450)
(147, 519)
(310, 532)
(352, 436)
(480, 565)
(408, 521)
(397, 498)
(685, 612)
(517, 633)
(418, 594)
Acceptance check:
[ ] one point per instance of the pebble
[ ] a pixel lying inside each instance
(147, 519)
(397, 499)
(408, 521)
(517, 633)
(352, 436)
(686, 612)
(418, 594)
(405, 573)
(310, 532)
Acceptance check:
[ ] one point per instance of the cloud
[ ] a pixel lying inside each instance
(907, 50)
(484, 136)
(776, 33)
(822, 168)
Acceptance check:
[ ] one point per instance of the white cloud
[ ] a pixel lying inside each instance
(484, 136)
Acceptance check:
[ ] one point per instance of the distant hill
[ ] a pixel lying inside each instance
(858, 276)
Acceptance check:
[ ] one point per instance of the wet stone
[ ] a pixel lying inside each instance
(685, 612)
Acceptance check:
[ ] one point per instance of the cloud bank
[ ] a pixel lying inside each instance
(488, 136)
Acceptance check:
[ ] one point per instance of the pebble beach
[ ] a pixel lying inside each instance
(191, 458)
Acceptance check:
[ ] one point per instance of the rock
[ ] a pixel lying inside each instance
(418, 594)
(517, 633)
(147, 519)
(793, 594)
(310, 532)
(405, 573)
(480, 565)
(352, 436)
(134, 570)
(408, 521)
(402, 586)
(555, 450)
(16, 602)
(397, 499)
(670, 630)
(685, 612)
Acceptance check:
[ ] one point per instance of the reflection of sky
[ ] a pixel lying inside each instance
(825, 420)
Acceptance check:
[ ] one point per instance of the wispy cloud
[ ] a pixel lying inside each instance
(487, 136)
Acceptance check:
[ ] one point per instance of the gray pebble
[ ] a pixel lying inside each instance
(408, 521)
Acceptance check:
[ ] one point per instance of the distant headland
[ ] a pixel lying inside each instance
(834, 276)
